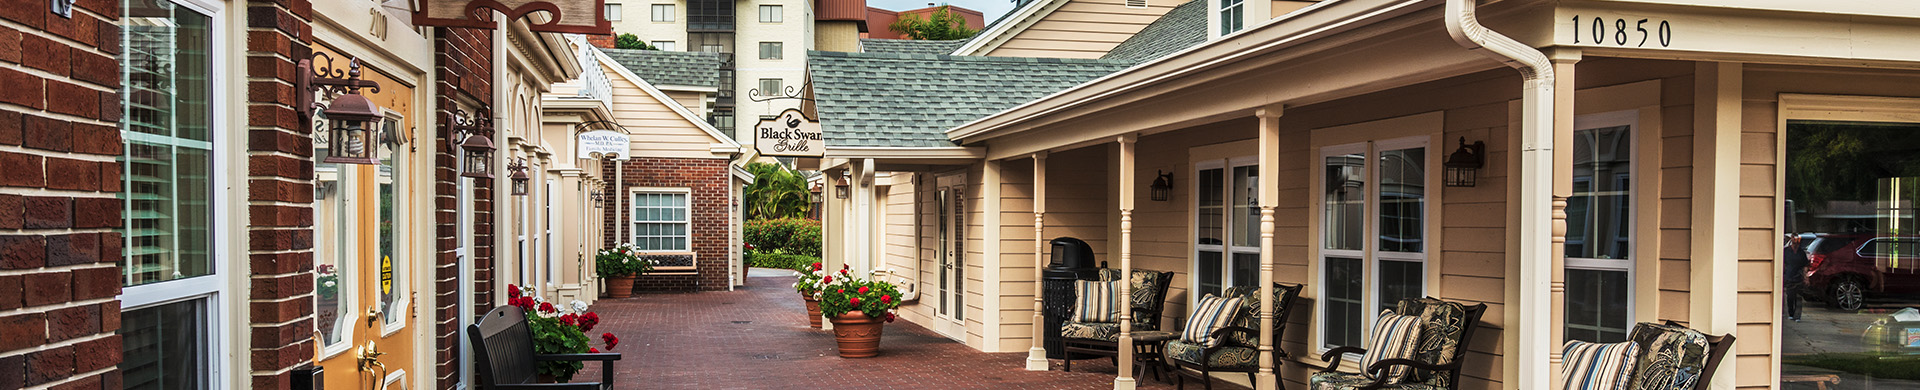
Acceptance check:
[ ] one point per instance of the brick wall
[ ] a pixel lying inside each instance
(709, 216)
(603, 41)
(464, 60)
(59, 215)
(280, 194)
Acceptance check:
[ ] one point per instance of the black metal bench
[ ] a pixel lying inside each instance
(503, 353)
(674, 264)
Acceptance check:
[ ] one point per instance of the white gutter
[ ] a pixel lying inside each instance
(1536, 186)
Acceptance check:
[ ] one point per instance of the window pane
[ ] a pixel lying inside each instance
(392, 272)
(167, 165)
(770, 14)
(663, 12)
(613, 12)
(1597, 305)
(164, 347)
(1346, 190)
(1403, 200)
(1210, 273)
(1343, 321)
(1246, 269)
(1597, 213)
(332, 294)
(1400, 280)
(1210, 198)
(1246, 206)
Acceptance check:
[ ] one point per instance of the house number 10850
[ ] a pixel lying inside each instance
(1620, 35)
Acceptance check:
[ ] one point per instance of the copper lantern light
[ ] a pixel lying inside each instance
(350, 130)
(519, 176)
(466, 135)
(350, 116)
(1463, 166)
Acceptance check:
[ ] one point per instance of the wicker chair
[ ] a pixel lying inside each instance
(1446, 328)
(1240, 350)
(1086, 340)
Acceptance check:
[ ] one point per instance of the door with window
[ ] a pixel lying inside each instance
(950, 209)
(1373, 224)
(1227, 224)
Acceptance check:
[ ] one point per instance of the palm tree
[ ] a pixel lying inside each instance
(776, 192)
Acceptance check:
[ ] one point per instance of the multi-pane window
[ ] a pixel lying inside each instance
(771, 50)
(168, 175)
(1373, 233)
(769, 87)
(1228, 224)
(770, 14)
(663, 45)
(660, 221)
(613, 12)
(710, 15)
(1232, 16)
(1599, 228)
(662, 12)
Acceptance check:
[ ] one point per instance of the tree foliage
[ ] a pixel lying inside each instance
(776, 192)
(942, 25)
(632, 42)
(1828, 162)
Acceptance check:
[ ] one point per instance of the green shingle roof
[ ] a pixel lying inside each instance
(693, 69)
(911, 100)
(1180, 28)
(909, 46)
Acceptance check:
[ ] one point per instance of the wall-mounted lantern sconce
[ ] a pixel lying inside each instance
(1463, 166)
(598, 198)
(324, 189)
(520, 179)
(841, 190)
(1162, 187)
(465, 136)
(351, 117)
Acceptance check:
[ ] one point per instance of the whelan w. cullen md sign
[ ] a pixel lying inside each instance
(789, 134)
(600, 144)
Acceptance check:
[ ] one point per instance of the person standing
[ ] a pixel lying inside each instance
(1795, 264)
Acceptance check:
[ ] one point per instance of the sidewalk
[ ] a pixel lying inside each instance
(757, 338)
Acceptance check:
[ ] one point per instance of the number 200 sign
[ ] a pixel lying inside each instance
(1639, 34)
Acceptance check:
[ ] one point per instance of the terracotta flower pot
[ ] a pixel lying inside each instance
(813, 311)
(620, 287)
(857, 334)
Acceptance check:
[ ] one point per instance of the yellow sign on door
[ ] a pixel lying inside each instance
(386, 275)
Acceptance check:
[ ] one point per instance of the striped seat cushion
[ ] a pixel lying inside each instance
(1210, 314)
(1597, 366)
(1096, 301)
(1394, 337)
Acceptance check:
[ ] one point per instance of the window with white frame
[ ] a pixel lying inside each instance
(770, 87)
(1599, 274)
(663, 45)
(770, 13)
(660, 220)
(663, 12)
(771, 50)
(171, 319)
(1227, 225)
(391, 179)
(1136, 3)
(1373, 233)
(1232, 16)
(613, 12)
(546, 217)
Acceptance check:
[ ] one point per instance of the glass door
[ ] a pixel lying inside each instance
(951, 211)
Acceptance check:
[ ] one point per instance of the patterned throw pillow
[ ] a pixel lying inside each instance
(1096, 301)
(1394, 337)
(1596, 366)
(1211, 314)
(1672, 357)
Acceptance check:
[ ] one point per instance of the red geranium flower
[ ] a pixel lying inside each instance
(816, 266)
(855, 301)
(889, 317)
(570, 319)
(886, 299)
(513, 291)
(611, 341)
(546, 307)
(840, 290)
(863, 289)
(828, 279)
(593, 350)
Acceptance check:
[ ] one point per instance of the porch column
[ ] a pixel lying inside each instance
(862, 221)
(1269, 198)
(1126, 172)
(1716, 207)
(1037, 354)
(1564, 66)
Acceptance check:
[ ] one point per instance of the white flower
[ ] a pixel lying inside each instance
(578, 306)
(330, 283)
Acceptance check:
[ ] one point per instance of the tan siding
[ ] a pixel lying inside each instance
(657, 130)
(1082, 29)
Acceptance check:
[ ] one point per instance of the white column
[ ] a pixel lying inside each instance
(1037, 354)
(862, 220)
(1269, 198)
(1716, 200)
(1125, 173)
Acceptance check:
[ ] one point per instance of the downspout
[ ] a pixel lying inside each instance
(1536, 185)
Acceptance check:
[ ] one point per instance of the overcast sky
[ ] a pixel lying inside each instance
(991, 8)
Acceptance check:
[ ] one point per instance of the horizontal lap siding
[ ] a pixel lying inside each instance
(657, 130)
(1015, 273)
(1082, 29)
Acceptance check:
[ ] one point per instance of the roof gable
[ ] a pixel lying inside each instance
(646, 111)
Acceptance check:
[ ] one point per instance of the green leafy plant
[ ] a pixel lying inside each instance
(621, 260)
(555, 332)
(776, 192)
(780, 260)
(843, 293)
(785, 235)
(631, 42)
(327, 284)
(943, 24)
(812, 279)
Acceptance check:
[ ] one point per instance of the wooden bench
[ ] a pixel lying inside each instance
(503, 354)
(674, 264)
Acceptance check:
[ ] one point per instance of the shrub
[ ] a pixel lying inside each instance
(785, 235)
(795, 262)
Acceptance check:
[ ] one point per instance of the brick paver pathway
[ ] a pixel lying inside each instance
(757, 338)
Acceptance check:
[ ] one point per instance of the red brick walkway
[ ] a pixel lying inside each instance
(757, 338)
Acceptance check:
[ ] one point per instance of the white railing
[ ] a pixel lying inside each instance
(593, 78)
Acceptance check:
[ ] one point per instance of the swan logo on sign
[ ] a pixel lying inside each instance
(789, 134)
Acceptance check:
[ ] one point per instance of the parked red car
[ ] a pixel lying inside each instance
(1844, 269)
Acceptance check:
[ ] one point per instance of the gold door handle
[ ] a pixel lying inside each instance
(369, 358)
(373, 315)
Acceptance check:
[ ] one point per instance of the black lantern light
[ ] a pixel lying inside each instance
(1463, 166)
(351, 133)
(520, 179)
(598, 198)
(841, 190)
(466, 135)
(1161, 188)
